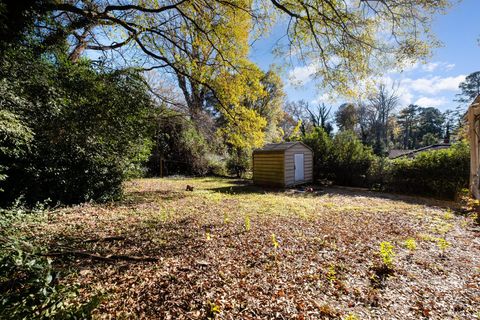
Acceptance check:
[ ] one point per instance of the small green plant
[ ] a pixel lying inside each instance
(164, 215)
(331, 274)
(247, 223)
(427, 237)
(442, 227)
(226, 219)
(448, 215)
(31, 287)
(410, 244)
(274, 241)
(208, 236)
(351, 316)
(212, 310)
(470, 205)
(443, 244)
(387, 254)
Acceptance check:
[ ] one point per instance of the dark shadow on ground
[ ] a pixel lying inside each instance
(364, 192)
(246, 188)
(136, 197)
(311, 190)
(180, 238)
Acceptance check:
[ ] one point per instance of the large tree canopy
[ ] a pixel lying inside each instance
(342, 40)
(470, 88)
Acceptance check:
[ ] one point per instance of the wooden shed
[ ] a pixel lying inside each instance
(283, 164)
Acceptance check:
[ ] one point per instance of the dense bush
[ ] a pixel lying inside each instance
(179, 143)
(377, 173)
(351, 160)
(343, 159)
(440, 173)
(30, 288)
(217, 165)
(81, 130)
(346, 161)
(321, 144)
(239, 162)
(15, 138)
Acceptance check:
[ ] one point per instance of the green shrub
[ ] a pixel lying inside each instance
(343, 159)
(217, 165)
(180, 144)
(377, 173)
(346, 161)
(441, 173)
(239, 162)
(30, 288)
(15, 137)
(87, 129)
(351, 160)
(321, 144)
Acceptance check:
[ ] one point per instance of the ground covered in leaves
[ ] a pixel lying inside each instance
(229, 250)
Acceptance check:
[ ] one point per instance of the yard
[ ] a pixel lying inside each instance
(234, 251)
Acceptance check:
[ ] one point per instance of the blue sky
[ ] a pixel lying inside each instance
(433, 84)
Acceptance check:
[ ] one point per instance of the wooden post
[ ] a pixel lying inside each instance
(161, 167)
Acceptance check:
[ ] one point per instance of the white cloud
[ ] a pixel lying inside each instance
(405, 97)
(410, 67)
(302, 75)
(438, 65)
(428, 67)
(450, 66)
(431, 66)
(427, 91)
(404, 92)
(433, 85)
(431, 102)
(324, 98)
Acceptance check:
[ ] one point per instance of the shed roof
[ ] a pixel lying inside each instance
(272, 147)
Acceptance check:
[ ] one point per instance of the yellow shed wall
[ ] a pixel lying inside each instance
(268, 168)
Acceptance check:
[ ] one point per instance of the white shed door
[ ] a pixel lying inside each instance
(299, 172)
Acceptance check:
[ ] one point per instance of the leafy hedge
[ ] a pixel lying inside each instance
(344, 160)
(440, 173)
(70, 133)
(321, 144)
(351, 160)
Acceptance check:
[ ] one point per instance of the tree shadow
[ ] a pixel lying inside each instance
(410, 199)
(137, 197)
(313, 190)
(246, 188)
(175, 238)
